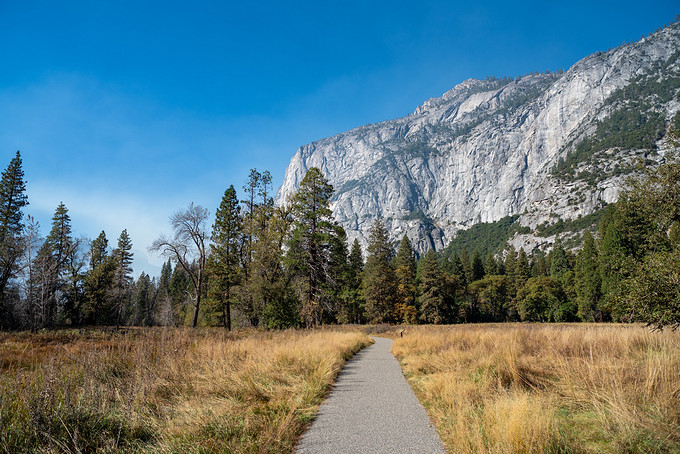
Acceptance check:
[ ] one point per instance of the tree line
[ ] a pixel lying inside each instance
(292, 265)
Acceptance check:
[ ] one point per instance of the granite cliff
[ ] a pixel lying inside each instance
(545, 147)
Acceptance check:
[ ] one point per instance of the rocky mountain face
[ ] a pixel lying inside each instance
(546, 147)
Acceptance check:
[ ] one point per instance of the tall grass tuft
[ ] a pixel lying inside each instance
(547, 388)
(165, 390)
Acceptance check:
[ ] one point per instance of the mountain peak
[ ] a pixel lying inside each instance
(533, 146)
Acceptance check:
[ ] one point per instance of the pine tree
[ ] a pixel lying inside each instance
(353, 310)
(270, 284)
(491, 266)
(477, 266)
(587, 279)
(510, 270)
(12, 199)
(379, 282)
(223, 265)
(432, 299)
(51, 268)
(122, 257)
(143, 299)
(310, 243)
(467, 266)
(559, 262)
(99, 283)
(522, 271)
(613, 263)
(405, 270)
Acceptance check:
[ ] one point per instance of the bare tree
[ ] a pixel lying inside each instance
(188, 247)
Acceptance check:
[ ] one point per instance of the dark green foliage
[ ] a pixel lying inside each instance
(121, 293)
(491, 265)
(542, 299)
(521, 271)
(467, 267)
(434, 307)
(379, 283)
(477, 267)
(351, 305)
(144, 298)
(485, 237)
(559, 261)
(51, 270)
(311, 244)
(405, 270)
(223, 264)
(640, 235)
(587, 280)
(99, 283)
(12, 200)
(493, 297)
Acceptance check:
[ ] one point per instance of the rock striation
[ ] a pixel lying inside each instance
(498, 147)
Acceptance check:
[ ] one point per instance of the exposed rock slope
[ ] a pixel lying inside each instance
(536, 146)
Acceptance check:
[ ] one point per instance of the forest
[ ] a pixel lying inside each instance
(260, 265)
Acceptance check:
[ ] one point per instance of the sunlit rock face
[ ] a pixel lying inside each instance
(487, 149)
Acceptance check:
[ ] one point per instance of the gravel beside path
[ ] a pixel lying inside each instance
(371, 409)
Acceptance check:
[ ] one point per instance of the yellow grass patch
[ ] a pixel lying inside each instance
(165, 390)
(517, 388)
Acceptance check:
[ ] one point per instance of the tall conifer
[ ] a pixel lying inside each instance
(379, 283)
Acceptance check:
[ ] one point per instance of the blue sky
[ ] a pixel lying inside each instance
(129, 110)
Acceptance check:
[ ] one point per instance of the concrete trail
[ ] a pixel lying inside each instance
(371, 409)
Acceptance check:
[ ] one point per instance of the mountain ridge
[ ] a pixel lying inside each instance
(487, 149)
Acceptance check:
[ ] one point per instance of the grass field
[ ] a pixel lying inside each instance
(512, 388)
(165, 390)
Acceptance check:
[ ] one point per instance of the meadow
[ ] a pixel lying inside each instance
(165, 390)
(528, 388)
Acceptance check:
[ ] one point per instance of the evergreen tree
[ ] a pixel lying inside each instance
(310, 244)
(613, 264)
(352, 302)
(477, 266)
(587, 279)
(455, 268)
(405, 270)
(12, 199)
(270, 284)
(432, 298)
(522, 271)
(223, 265)
(510, 266)
(538, 264)
(467, 266)
(99, 283)
(143, 298)
(122, 257)
(559, 262)
(50, 267)
(646, 219)
(379, 282)
(491, 266)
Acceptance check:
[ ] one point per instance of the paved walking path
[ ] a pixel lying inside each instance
(371, 409)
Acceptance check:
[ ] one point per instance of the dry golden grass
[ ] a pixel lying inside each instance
(165, 390)
(512, 388)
